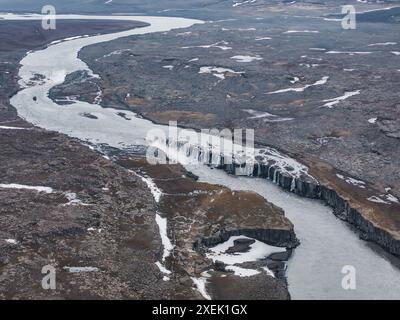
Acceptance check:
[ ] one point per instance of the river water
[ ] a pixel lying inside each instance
(327, 244)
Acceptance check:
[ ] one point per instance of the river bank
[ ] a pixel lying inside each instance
(111, 129)
(57, 191)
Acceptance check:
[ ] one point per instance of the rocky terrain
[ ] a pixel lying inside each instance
(201, 85)
(96, 221)
(308, 87)
(115, 227)
(95, 215)
(198, 218)
(91, 218)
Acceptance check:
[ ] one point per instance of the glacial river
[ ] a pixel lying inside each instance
(327, 244)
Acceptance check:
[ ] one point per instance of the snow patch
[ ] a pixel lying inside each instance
(155, 191)
(309, 65)
(73, 200)
(258, 250)
(242, 272)
(246, 29)
(294, 80)
(218, 72)
(301, 31)
(330, 103)
(223, 45)
(116, 52)
(262, 38)
(162, 225)
(162, 268)
(268, 117)
(301, 89)
(188, 33)
(201, 286)
(377, 200)
(352, 181)
(81, 269)
(392, 198)
(21, 186)
(384, 199)
(13, 128)
(244, 59)
(11, 241)
(237, 4)
(351, 53)
(382, 44)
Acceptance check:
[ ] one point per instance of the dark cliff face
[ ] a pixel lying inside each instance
(305, 187)
(273, 237)
(341, 208)
(366, 229)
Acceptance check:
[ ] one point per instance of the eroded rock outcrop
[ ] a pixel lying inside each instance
(375, 220)
(200, 215)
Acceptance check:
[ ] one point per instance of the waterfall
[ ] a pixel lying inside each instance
(293, 186)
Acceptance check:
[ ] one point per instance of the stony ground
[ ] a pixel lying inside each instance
(109, 224)
(201, 215)
(317, 92)
(190, 76)
(170, 83)
(112, 228)
(96, 214)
